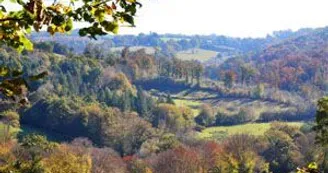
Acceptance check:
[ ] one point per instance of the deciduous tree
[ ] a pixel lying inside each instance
(102, 16)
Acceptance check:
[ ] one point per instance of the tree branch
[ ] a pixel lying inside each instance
(10, 19)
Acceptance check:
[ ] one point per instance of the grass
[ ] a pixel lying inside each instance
(191, 54)
(189, 103)
(193, 105)
(256, 129)
(196, 54)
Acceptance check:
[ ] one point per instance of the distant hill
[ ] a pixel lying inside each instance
(297, 63)
(224, 45)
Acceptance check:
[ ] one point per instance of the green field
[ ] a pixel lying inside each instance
(191, 54)
(224, 131)
(196, 54)
(193, 105)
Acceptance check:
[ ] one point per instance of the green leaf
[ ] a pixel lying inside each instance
(132, 8)
(2, 8)
(28, 45)
(69, 25)
(100, 15)
(58, 20)
(7, 92)
(128, 19)
(313, 165)
(111, 27)
(51, 29)
(28, 30)
(4, 71)
(83, 32)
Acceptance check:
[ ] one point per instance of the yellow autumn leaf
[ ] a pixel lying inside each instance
(108, 10)
(313, 165)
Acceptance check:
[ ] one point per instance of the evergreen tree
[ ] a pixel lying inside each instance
(321, 127)
(141, 102)
(144, 104)
(108, 96)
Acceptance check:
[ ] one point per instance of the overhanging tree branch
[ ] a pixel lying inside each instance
(10, 19)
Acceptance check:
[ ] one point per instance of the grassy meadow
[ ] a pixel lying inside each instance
(193, 105)
(257, 129)
(196, 54)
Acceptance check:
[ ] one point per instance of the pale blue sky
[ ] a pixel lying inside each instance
(238, 18)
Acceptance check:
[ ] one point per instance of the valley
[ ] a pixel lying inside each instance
(150, 95)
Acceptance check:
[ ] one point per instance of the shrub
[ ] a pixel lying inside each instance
(173, 118)
(206, 117)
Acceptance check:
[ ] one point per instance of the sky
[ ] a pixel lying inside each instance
(236, 18)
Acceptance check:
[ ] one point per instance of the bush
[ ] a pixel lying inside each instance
(173, 118)
(104, 126)
(244, 115)
(206, 117)
(11, 118)
(287, 115)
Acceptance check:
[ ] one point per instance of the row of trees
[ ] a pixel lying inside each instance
(210, 116)
(288, 65)
(172, 43)
(189, 71)
(282, 149)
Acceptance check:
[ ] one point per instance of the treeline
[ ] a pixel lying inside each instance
(95, 96)
(296, 65)
(124, 132)
(112, 79)
(211, 117)
(173, 43)
(283, 148)
(188, 71)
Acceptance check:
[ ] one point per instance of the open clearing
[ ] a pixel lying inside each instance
(196, 54)
(193, 105)
(217, 133)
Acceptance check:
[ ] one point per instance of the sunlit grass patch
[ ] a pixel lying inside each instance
(193, 105)
(256, 129)
(196, 54)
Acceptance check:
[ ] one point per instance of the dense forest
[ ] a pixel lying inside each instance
(134, 104)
